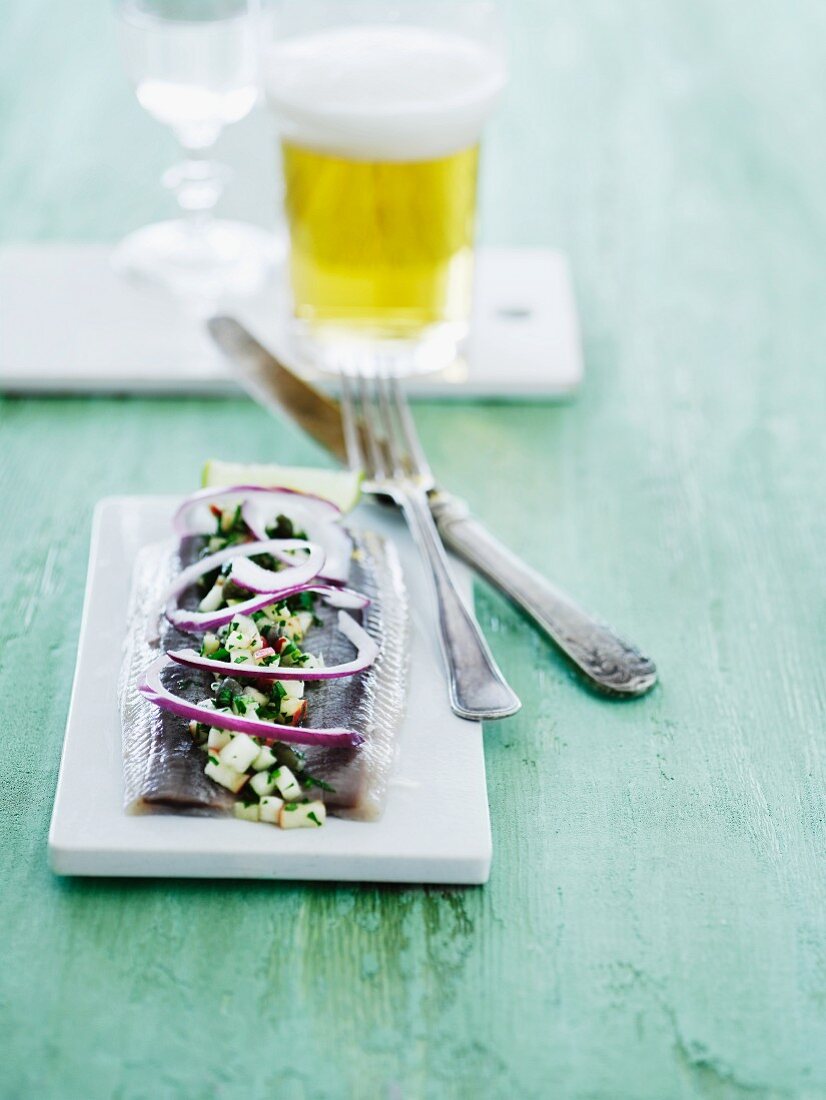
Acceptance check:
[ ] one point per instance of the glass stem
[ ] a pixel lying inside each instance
(197, 183)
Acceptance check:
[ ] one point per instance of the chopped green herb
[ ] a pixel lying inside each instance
(312, 816)
(311, 781)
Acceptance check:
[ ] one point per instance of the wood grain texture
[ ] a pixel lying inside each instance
(654, 925)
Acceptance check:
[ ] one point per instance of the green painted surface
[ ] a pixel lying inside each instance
(654, 924)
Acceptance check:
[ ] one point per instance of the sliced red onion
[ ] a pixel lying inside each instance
(153, 690)
(259, 513)
(194, 517)
(196, 621)
(255, 578)
(292, 580)
(366, 653)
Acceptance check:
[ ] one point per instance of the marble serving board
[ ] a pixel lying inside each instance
(70, 324)
(435, 828)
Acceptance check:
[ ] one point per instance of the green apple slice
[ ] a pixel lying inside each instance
(342, 487)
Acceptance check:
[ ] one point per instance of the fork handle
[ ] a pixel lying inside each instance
(477, 688)
(611, 664)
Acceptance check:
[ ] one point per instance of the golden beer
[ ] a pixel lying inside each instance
(379, 124)
(382, 245)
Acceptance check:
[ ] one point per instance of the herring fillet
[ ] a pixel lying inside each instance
(163, 768)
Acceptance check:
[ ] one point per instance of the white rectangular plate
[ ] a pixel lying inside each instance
(105, 335)
(435, 828)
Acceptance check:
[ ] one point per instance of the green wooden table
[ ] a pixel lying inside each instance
(654, 924)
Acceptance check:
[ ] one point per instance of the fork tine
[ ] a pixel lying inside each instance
(416, 456)
(391, 430)
(368, 418)
(352, 440)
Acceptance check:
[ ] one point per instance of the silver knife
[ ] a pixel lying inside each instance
(610, 664)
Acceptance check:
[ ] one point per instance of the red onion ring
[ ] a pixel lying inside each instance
(293, 579)
(366, 652)
(196, 621)
(153, 690)
(255, 578)
(186, 519)
(259, 513)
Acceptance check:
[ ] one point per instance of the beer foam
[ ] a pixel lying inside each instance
(383, 92)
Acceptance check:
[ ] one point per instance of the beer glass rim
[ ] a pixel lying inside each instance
(480, 20)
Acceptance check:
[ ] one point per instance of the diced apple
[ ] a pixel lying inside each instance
(288, 786)
(290, 706)
(210, 644)
(218, 738)
(214, 598)
(223, 774)
(240, 752)
(305, 620)
(262, 783)
(293, 688)
(257, 696)
(302, 815)
(243, 634)
(292, 629)
(247, 812)
(264, 760)
(269, 808)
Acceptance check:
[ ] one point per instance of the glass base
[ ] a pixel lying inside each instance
(339, 349)
(208, 260)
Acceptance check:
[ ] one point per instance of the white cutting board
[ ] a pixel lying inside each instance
(435, 828)
(69, 324)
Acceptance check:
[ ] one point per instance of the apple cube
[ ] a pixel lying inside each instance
(302, 815)
(269, 808)
(264, 760)
(218, 738)
(262, 783)
(223, 774)
(240, 752)
(257, 696)
(288, 786)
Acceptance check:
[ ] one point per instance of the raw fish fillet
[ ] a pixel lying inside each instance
(164, 769)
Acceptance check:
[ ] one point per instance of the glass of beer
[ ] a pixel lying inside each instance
(380, 109)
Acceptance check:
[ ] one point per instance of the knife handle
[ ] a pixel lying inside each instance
(611, 664)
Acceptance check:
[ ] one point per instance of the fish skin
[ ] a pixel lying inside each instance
(164, 769)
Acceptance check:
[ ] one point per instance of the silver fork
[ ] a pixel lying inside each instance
(381, 439)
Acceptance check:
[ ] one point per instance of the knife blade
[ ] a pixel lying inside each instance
(278, 389)
(609, 663)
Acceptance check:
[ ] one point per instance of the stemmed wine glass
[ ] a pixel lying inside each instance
(193, 67)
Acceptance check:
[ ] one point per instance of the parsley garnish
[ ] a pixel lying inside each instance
(311, 781)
